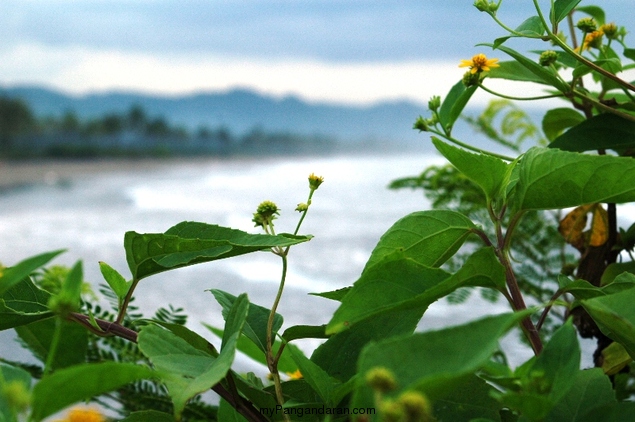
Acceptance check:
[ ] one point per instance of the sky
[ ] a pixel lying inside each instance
(338, 51)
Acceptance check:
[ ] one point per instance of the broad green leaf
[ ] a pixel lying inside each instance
(545, 74)
(590, 389)
(613, 412)
(604, 131)
(454, 103)
(82, 382)
(227, 413)
(190, 243)
(486, 171)
(430, 361)
(218, 370)
(334, 294)
(38, 336)
(629, 53)
(532, 27)
(468, 399)
(256, 326)
(22, 304)
(560, 10)
(190, 337)
(286, 364)
(614, 270)
(116, 281)
(614, 358)
(401, 284)
(149, 416)
(304, 331)
(72, 286)
(13, 275)
(582, 289)
(190, 370)
(428, 237)
(317, 378)
(338, 355)
(514, 71)
(595, 12)
(559, 119)
(615, 316)
(552, 179)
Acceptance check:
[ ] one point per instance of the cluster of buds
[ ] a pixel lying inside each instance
(587, 25)
(547, 58)
(486, 6)
(265, 214)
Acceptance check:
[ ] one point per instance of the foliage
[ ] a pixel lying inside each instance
(503, 232)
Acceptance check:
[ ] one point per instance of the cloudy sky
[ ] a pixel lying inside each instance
(346, 51)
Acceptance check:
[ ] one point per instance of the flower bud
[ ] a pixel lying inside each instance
(302, 207)
(17, 395)
(610, 30)
(587, 25)
(420, 124)
(392, 411)
(434, 103)
(265, 213)
(416, 406)
(315, 181)
(547, 58)
(470, 79)
(485, 6)
(381, 379)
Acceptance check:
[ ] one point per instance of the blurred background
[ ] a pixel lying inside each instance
(135, 115)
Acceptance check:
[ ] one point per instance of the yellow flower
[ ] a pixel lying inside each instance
(593, 39)
(479, 63)
(297, 375)
(83, 415)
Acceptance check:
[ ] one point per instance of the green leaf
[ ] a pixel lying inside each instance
(447, 354)
(22, 304)
(317, 378)
(192, 371)
(116, 281)
(335, 294)
(286, 364)
(227, 413)
(582, 289)
(454, 103)
(552, 179)
(514, 71)
(190, 337)
(13, 275)
(304, 331)
(545, 74)
(401, 284)
(468, 399)
(38, 336)
(615, 316)
(256, 325)
(71, 290)
(532, 27)
(338, 355)
(82, 382)
(595, 12)
(560, 10)
(190, 243)
(428, 237)
(490, 173)
(591, 389)
(604, 131)
(613, 412)
(629, 53)
(559, 119)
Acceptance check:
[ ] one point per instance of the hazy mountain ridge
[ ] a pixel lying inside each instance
(239, 111)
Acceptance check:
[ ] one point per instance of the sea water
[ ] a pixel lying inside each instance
(351, 210)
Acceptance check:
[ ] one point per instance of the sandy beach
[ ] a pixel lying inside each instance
(17, 174)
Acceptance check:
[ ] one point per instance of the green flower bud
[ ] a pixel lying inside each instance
(434, 103)
(302, 207)
(17, 395)
(381, 379)
(392, 411)
(485, 6)
(547, 58)
(587, 25)
(610, 30)
(315, 181)
(416, 406)
(62, 304)
(265, 213)
(470, 79)
(420, 124)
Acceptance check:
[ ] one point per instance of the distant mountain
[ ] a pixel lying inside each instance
(240, 111)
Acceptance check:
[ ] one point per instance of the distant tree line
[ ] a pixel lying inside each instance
(134, 133)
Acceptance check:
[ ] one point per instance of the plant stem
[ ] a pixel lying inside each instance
(126, 301)
(272, 364)
(50, 357)
(541, 97)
